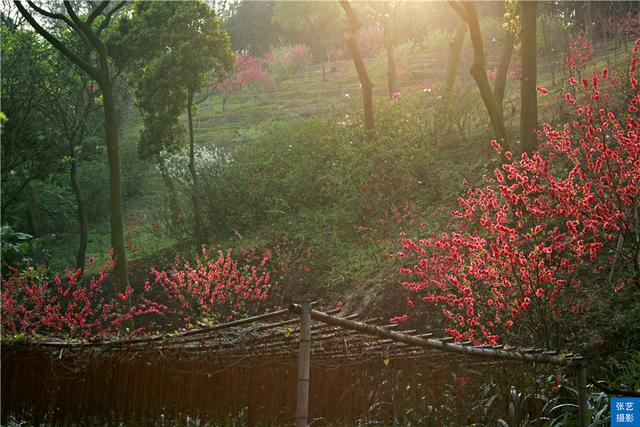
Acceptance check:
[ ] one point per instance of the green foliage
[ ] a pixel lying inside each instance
(251, 28)
(562, 409)
(30, 137)
(625, 373)
(318, 179)
(191, 51)
(15, 248)
(319, 24)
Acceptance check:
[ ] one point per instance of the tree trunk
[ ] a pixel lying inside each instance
(479, 73)
(324, 73)
(36, 221)
(391, 73)
(391, 60)
(173, 197)
(551, 55)
(529, 99)
(115, 192)
(503, 69)
(195, 191)
(82, 212)
(455, 50)
(588, 19)
(363, 76)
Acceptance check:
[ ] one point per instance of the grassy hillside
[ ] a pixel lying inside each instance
(443, 156)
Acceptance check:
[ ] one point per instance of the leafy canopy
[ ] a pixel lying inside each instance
(165, 66)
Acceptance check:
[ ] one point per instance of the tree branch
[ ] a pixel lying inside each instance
(111, 13)
(84, 29)
(49, 14)
(97, 11)
(460, 10)
(84, 65)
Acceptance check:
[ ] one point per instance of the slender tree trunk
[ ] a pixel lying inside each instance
(551, 55)
(173, 197)
(36, 221)
(455, 50)
(479, 71)
(82, 212)
(391, 59)
(588, 19)
(529, 98)
(391, 71)
(115, 192)
(363, 76)
(503, 70)
(195, 192)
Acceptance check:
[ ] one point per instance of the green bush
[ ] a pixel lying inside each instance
(318, 179)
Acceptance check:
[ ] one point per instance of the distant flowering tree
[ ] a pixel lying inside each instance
(286, 61)
(551, 236)
(632, 25)
(336, 54)
(248, 72)
(251, 71)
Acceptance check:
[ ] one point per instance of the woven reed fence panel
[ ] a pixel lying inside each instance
(142, 389)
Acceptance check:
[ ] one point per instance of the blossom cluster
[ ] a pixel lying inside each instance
(580, 51)
(248, 71)
(289, 264)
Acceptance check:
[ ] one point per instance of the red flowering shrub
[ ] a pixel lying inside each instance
(64, 306)
(547, 236)
(211, 288)
(289, 265)
(580, 51)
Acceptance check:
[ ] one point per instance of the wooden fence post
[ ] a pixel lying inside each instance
(583, 397)
(304, 360)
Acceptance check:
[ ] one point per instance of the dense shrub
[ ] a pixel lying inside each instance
(213, 288)
(319, 178)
